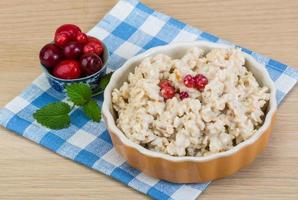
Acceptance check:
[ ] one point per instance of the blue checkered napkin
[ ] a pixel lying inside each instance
(128, 29)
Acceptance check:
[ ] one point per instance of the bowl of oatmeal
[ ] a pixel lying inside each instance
(190, 112)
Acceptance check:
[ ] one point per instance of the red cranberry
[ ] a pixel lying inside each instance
(90, 64)
(164, 83)
(183, 95)
(200, 81)
(73, 50)
(81, 38)
(167, 92)
(50, 55)
(67, 69)
(201, 78)
(65, 34)
(71, 29)
(93, 46)
(189, 81)
(166, 89)
(61, 39)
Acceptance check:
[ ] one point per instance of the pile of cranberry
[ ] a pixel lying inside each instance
(73, 54)
(168, 91)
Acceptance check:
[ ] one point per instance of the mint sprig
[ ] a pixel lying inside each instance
(56, 115)
(79, 94)
(104, 81)
(92, 110)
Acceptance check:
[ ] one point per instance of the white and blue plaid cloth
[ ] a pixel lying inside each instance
(128, 29)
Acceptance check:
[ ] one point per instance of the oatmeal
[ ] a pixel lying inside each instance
(198, 105)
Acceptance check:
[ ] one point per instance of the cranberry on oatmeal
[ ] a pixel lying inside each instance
(201, 104)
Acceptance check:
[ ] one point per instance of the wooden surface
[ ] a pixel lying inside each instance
(28, 171)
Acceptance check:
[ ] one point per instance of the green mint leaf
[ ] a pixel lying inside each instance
(54, 115)
(91, 109)
(103, 82)
(79, 93)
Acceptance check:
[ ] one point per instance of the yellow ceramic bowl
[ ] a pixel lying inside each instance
(188, 169)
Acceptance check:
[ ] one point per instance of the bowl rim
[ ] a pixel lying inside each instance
(110, 122)
(45, 70)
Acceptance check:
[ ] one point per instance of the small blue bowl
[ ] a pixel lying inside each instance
(93, 80)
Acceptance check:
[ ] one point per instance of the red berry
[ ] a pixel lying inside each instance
(71, 29)
(73, 50)
(183, 95)
(93, 46)
(90, 64)
(200, 81)
(67, 69)
(166, 89)
(61, 39)
(201, 78)
(65, 34)
(50, 55)
(164, 83)
(82, 38)
(167, 92)
(189, 81)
